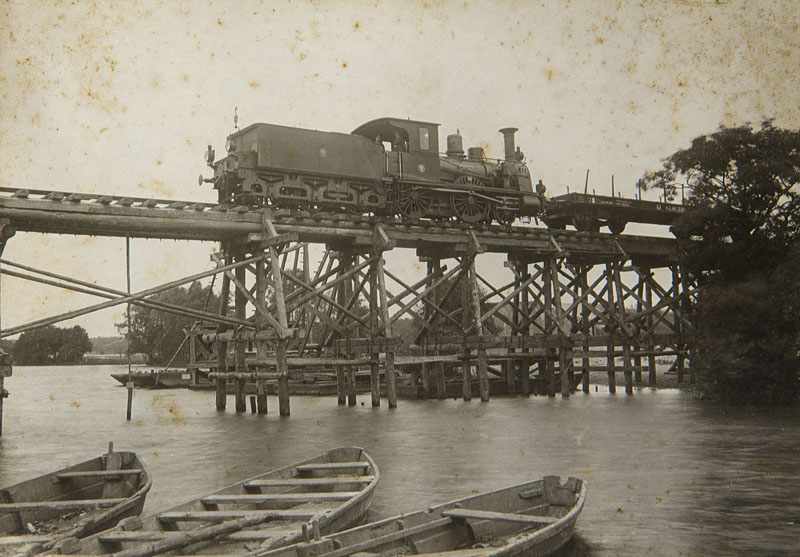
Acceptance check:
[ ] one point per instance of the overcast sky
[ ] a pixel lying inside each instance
(123, 97)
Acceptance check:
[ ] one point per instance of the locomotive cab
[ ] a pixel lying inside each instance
(411, 147)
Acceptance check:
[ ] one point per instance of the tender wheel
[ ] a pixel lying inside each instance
(586, 224)
(616, 226)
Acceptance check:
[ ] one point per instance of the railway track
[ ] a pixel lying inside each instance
(58, 212)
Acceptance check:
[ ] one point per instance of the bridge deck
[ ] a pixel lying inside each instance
(101, 215)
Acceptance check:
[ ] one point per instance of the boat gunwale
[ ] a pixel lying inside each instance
(85, 529)
(503, 551)
(325, 517)
(527, 539)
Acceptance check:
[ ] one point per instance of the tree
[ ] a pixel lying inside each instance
(52, 345)
(159, 334)
(742, 247)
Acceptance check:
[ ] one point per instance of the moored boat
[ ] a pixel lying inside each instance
(42, 513)
(324, 494)
(154, 379)
(531, 519)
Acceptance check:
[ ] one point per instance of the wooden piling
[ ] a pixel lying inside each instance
(611, 327)
(584, 288)
(547, 288)
(240, 311)
(261, 322)
(651, 356)
(261, 397)
(374, 376)
(222, 346)
(466, 355)
(475, 299)
(391, 378)
(525, 323)
(253, 408)
(284, 408)
(279, 300)
(626, 346)
(637, 359)
(564, 350)
(676, 303)
(440, 370)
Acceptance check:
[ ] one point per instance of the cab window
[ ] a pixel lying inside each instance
(424, 139)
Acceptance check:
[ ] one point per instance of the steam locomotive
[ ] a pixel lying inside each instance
(388, 166)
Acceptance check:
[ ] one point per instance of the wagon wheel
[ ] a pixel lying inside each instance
(585, 223)
(470, 209)
(414, 204)
(616, 226)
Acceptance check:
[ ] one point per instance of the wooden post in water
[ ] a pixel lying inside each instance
(585, 364)
(564, 348)
(648, 305)
(676, 305)
(222, 346)
(240, 309)
(391, 379)
(341, 383)
(261, 345)
(525, 323)
(483, 374)
(279, 301)
(440, 375)
(626, 346)
(512, 365)
(375, 376)
(349, 256)
(610, 328)
(426, 368)
(129, 410)
(466, 356)
(547, 288)
(637, 347)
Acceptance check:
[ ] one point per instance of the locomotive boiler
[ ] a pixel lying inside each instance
(388, 166)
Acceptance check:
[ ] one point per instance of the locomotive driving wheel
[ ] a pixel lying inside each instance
(413, 204)
(469, 208)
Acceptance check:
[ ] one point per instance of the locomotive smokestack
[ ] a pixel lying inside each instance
(508, 136)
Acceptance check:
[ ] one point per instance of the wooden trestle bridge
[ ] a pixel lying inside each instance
(570, 298)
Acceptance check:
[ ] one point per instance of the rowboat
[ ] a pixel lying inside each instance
(325, 494)
(531, 519)
(40, 514)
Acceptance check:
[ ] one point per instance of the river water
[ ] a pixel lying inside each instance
(667, 475)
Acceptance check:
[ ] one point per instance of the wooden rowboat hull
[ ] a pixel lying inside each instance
(75, 502)
(327, 493)
(163, 380)
(532, 519)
